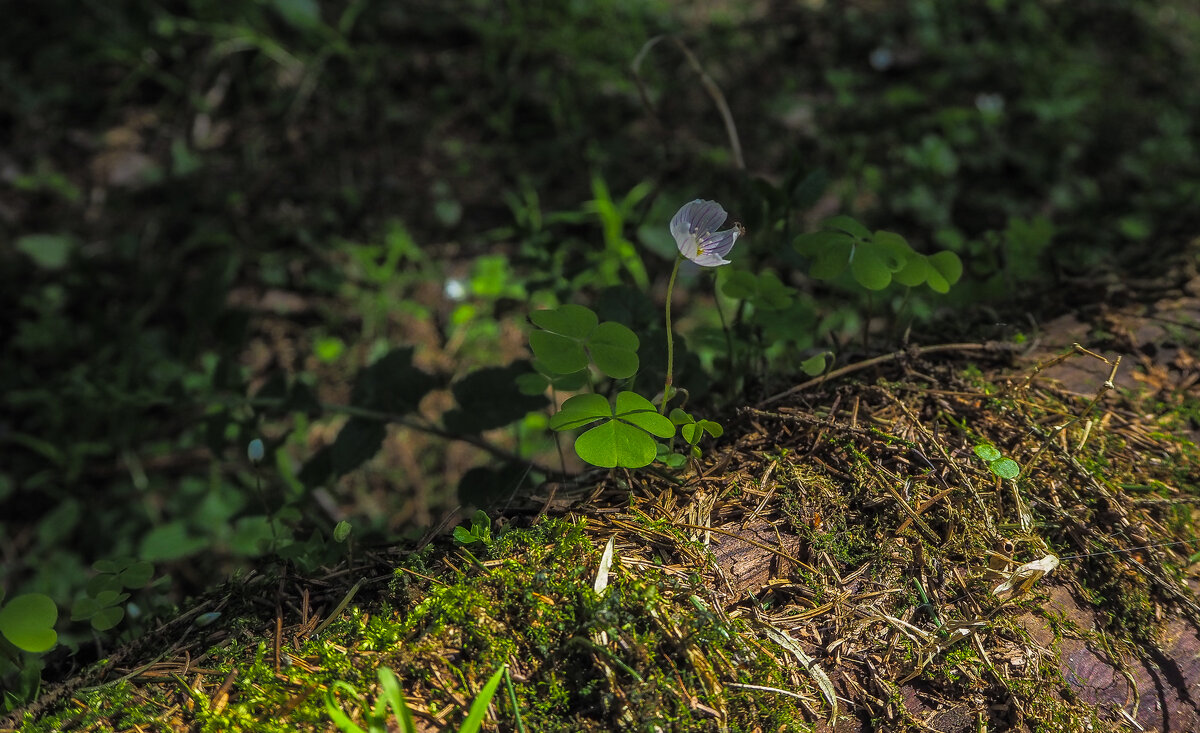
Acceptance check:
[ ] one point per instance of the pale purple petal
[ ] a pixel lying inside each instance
(707, 217)
(681, 223)
(718, 243)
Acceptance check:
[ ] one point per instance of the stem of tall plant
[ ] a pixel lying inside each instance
(662, 409)
(730, 367)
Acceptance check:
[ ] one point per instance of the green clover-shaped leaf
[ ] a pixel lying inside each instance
(830, 252)
(892, 248)
(28, 622)
(108, 618)
(772, 293)
(694, 432)
(945, 270)
(120, 573)
(85, 608)
(1005, 468)
(842, 223)
(692, 429)
(814, 366)
(869, 269)
(873, 259)
(914, 272)
(624, 435)
(571, 337)
(581, 410)
(668, 457)
(614, 350)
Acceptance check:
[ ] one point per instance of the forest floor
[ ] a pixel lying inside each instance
(855, 555)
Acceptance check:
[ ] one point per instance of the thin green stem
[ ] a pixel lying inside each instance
(266, 508)
(730, 369)
(662, 409)
(512, 698)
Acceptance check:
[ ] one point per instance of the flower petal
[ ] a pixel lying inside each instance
(697, 217)
(681, 223)
(718, 243)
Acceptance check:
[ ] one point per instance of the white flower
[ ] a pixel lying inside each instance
(694, 228)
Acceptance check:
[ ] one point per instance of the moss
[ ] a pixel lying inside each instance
(112, 707)
(646, 653)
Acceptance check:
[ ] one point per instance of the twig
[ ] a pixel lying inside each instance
(404, 421)
(735, 144)
(910, 352)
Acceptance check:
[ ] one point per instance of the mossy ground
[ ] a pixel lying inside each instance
(649, 651)
(881, 537)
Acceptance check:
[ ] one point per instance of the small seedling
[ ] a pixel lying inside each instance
(480, 531)
(103, 605)
(875, 260)
(691, 430)
(1005, 468)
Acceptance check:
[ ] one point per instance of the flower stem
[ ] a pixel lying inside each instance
(729, 365)
(670, 342)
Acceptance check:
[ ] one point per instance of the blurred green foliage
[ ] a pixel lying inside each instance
(311, 222)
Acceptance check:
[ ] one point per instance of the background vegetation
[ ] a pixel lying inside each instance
(311, 222)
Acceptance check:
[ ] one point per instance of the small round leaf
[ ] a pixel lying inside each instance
(848, 225)
(948, 264)
(987, 452)
(108, 618)
(557, 353)
(614, 348)
(832, 262)
(579, 411)
(914, 272)
(892, 249)
(815, 243)
(635, 409)
(28, 622)
(679, 417)
(1006, 468)
(570, 320)
(615, 443)
(869, 270)
(814, 366)
(137, 575)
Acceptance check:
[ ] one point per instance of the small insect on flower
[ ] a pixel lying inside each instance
(694, 228)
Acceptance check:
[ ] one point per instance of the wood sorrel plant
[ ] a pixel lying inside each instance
(571, 341)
